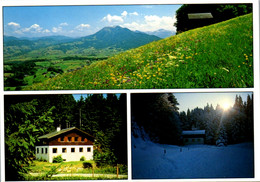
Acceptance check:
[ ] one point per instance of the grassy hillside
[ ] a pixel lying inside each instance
(220, 55)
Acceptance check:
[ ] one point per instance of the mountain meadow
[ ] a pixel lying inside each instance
(215, 56)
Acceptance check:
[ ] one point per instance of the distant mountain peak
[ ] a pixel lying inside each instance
(114, 28)
(162, 33)
(118, 37)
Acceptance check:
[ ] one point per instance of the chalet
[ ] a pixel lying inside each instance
(193, 137)
(71, 144)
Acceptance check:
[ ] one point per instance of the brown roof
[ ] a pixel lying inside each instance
(56, 133)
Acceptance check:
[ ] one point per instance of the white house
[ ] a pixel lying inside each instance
(193, 137)
(71, 144)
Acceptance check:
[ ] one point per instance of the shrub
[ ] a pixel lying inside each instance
(82, 158)
(42, 160)
(87, 165)
(57, 159)
(123, 169)
(54, 69)
(104, 158)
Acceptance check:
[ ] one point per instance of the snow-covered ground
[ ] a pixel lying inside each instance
(193, 161)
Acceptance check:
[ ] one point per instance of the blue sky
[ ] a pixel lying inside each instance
(78, 96)
(198, 99)
(76, 21)
(193, 100)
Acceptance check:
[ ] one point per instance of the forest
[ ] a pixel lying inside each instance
(20, 73)
(220, 12)
(29, 116)
(158, 114)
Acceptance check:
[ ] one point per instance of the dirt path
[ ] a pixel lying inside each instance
(82, 175)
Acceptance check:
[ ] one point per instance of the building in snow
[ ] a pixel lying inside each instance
(193, 137)
(71, 144)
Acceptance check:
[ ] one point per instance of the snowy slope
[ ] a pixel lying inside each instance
(188, 162)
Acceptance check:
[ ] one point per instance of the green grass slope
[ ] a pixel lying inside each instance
(215, 56)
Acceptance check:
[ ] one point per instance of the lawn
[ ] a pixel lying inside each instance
(40, 170)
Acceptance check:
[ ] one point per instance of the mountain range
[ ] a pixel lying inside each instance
(159, 33)
(108, 37)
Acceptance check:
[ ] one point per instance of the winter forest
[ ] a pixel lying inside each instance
(157, 143)
(159, 116)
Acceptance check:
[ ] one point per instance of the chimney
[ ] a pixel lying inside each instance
(58, 128)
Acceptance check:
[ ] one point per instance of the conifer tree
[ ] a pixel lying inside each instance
(23, 126)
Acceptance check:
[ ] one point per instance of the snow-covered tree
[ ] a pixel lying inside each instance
(222, 138)
(185, 123)
(157, 114)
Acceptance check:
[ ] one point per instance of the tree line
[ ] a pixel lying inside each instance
(220, 12)
(29, 116)
(158, 114)
(18, 72)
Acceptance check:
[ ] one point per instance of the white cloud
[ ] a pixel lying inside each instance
(46, 31)
(64, 24)
(13, 24)
(124, 14)
(34, 28)
(133, 26)
(115, 19)
(82, 26)
(59, 28)
(16, 29)
(56, 29)
(153, 23)
(118, 19)
(18, 32)
(134, 13)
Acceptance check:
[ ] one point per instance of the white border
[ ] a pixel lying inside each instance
(255, 90)
(2, 165)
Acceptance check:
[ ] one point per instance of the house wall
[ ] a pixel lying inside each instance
(68, 153)
(195, 140)
(42, 153)
(65, 151)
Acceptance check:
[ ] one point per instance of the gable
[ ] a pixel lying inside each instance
(70, 136)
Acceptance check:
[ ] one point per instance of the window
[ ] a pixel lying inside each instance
(72, 149)
(193, 140)
(62, 139)
(80, 149)
(64, 150)
(46, 150)
(198, 139)
(69, 139)
(89, 149)
(42, 150)
(37, 150)
(54, 150)
(76, 139)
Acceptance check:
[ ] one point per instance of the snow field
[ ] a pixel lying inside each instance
(191, 162)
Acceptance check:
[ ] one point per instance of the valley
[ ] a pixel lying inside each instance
(34, 60)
